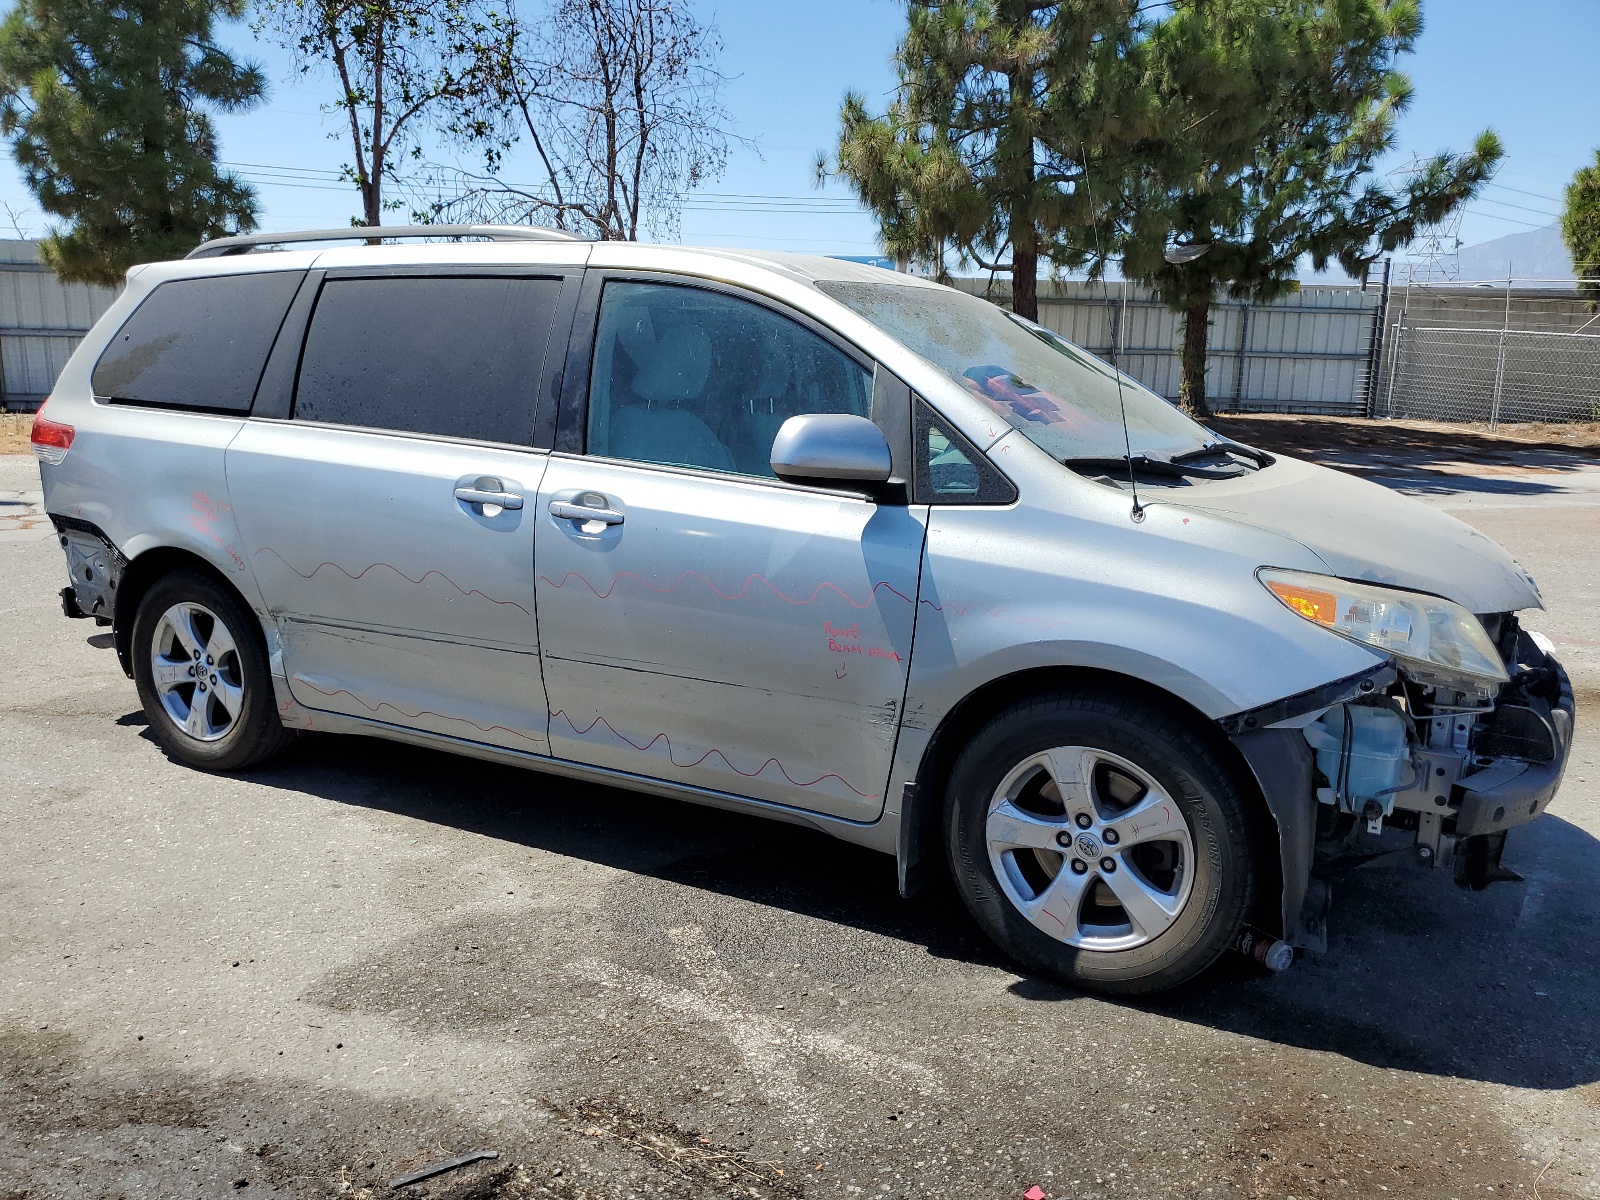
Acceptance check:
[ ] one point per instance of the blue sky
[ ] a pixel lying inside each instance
(1522, 69)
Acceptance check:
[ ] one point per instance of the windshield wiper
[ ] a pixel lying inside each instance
(1143, 464)
(1223, 446)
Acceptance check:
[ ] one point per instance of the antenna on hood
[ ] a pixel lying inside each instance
(1120, 331)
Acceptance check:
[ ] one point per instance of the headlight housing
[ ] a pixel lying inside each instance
(1437, 640)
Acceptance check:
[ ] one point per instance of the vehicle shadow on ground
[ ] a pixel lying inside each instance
(1416, 481)
(1499, 986)
(1319, 437)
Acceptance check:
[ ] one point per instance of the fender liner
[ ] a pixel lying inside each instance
(1280, 760)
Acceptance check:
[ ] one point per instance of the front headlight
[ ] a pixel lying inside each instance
(1438, 639)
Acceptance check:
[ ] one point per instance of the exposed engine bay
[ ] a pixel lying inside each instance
(1453, 761)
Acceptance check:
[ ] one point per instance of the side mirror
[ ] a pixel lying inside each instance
(831, 447)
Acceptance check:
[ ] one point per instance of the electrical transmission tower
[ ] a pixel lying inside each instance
(1434, 255)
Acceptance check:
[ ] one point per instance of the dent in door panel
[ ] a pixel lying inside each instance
(695, 755)
(395, 600)
(731, 636)
(503, 707)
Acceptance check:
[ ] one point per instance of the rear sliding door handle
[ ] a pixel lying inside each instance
(583, 512)
(472, 495)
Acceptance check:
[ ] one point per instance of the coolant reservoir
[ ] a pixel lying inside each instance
(1375, 762)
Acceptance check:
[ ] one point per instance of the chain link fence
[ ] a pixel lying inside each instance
(1519, 352)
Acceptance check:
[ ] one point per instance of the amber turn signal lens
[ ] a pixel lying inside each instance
(1321, 607)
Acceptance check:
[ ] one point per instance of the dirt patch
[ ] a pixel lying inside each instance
(14, 429)
(82, 1126)
(1523, 445)
(698, 1162)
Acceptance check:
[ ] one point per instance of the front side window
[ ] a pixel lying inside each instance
(1059, 396)
(197, 343)
(453, 356)
(690, 377)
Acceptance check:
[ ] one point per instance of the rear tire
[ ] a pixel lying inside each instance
(200, 664)
(1100, 840)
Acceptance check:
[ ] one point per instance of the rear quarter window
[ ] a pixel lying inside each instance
(197, 343)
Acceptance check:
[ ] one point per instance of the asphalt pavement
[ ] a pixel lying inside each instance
(312, 978)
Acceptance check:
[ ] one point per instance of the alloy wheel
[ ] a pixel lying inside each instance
(194, 663)
(1090, 848)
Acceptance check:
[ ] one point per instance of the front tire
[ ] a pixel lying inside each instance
(200, 665)
(1100, 840)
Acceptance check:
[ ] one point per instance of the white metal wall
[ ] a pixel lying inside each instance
(1308, 352)
(41, 322)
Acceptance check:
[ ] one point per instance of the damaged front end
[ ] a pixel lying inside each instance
(1462, 731)
(1449, 760)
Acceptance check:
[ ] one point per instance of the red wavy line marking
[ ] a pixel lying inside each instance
(396, 570)
(424, 712)
(661, 737)
(739, 595)
(283, 713)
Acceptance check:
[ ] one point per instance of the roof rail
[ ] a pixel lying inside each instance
(245, 243)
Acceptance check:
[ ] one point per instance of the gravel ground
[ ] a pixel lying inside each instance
(308, 979)
(14, 429)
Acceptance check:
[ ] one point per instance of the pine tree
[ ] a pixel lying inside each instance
(1580, 229)
(1276, 114)
(1003, 107)
(105, 105)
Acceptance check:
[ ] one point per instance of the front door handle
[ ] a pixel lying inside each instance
(477, 495)
(583, 512)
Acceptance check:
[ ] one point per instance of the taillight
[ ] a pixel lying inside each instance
(51, 439)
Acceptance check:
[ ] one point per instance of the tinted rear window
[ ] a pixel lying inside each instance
(452, 356)
(197, 343)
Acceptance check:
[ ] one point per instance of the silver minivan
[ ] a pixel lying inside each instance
(803, 538)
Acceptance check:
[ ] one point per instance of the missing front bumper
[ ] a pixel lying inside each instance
(1458, 808)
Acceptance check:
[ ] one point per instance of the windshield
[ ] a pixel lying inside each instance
(1062, 398)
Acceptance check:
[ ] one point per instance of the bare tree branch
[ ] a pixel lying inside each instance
(402, 67)
(622, 103)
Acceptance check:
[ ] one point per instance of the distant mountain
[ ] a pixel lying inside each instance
(1537, 254)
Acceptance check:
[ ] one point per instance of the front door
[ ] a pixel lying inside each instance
(702, 622)
(390, 522)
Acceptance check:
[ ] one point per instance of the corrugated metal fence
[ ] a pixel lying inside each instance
(1457, 353)
(42, 321)
(1311, 351)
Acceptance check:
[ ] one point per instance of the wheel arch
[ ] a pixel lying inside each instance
(141, 574)
(920, 852)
